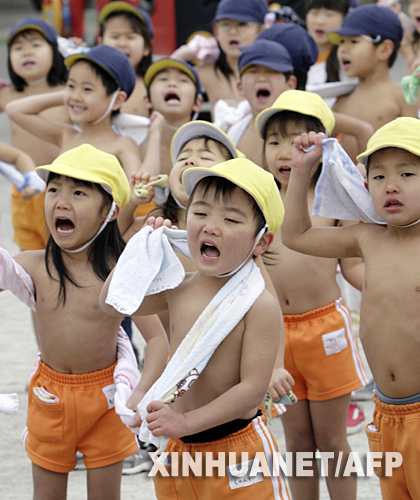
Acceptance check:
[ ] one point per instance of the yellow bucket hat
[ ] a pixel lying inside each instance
(200, 128)
(93, 165)
(257, 182)
(299, 101)
(403, 133)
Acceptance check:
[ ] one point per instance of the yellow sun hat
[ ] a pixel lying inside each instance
(403, 133)
(299, 101)
(93, 165)
(245, 174)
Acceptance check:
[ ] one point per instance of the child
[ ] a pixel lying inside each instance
(123, 26)
(174, 90)
(266, 70)
(368, 45)
(35, 67)
(71, 393)
(234, 207)
(235, 24)
(314, 313)
(393, 163)
(98, 84)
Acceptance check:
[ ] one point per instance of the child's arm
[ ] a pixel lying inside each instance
(151, 160)
(26, 112)
(281, 381)
(297, 231)
(15, 278)
(259, 348)
(361, 130)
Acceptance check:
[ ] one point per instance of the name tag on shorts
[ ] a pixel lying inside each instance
(240, 475)
(335, 342)
(109, 392)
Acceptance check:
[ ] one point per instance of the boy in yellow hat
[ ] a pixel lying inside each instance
(389, 312)
(321, 349)
(233, 211)
(71, 392)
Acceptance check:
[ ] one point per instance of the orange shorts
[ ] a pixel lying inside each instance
(28, 221)
(398, 430)
(255, 437)
(144, 209)
(83, 419)
(321, 353)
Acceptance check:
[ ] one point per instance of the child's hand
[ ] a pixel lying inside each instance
(157, 122)
(28, 193)
(307, 150)
(157, 222)
(132, 403)
(163, 420)
(281, 382)
(137, 179)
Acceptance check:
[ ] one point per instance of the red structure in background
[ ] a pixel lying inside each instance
(164, 25)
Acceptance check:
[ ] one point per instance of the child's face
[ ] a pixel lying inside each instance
(231, 34)
(261, 86)
(31, 56)
(74, 212)
(414, 12)
(195, 153)
(85, 95)
(356, 56)
(320, 21)
(394, 185)
(172, 93)
(220, 231)
(119, 33)
(278, 150)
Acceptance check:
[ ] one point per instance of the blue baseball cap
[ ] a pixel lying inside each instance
(169, 62)
(299, 43)
(246, 11)
(141, 14)
(369, 19)
(265, 53)
(46, 29)
(113, 61)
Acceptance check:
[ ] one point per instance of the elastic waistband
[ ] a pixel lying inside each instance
(396, 409)
(315, 313)
(396, 401)
(78, 380)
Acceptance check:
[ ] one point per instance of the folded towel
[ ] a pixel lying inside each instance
(134, 126)
(30, 179)
(126, 377)
(220, 317)
(14, 278)
(340, 192)
(225, 115)
(147, 266)
(9, 403)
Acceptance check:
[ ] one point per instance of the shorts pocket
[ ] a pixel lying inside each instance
(45, 420)
(374, 438)
(335, 342)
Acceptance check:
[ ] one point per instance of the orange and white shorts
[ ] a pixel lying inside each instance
(322, 354)
(80, 417)
(238, 449)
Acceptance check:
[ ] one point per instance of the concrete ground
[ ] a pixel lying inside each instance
(18, 352)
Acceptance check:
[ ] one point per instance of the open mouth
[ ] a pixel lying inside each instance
(345, 63)
(209, 251)
(172, 97)
(285, 170)
(263, 94)
(393, 204)
(28, 64)
(320, 33)
(64, 226)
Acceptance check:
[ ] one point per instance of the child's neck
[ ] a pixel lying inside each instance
(379, 76)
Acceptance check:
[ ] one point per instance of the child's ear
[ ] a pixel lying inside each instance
(292, 82)
(114, 215)
(197, 104)
(385, 49)
(240, 87)
(121, 98)
(265, 241)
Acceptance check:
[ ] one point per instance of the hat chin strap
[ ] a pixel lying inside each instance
(406, 225)
(109, 108)
(108, 217)
(257, 239)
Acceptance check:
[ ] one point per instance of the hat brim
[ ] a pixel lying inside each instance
(27, 27)
(335, 36)
(162, 64)
(196, 129)
(364, 157)
(274, 66)
(111, 7)
(71, 60)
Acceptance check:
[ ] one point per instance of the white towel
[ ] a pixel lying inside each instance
(134, 126)
(225, 115)
(29, 179)
(340, 192)
(147, 266)
(14, 278)
(126, 377)
(9, 403)
(220, 317)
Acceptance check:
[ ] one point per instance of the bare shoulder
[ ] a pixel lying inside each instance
(265, 310)
(7, 94)
(32, 261)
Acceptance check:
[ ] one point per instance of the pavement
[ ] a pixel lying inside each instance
(18, 352)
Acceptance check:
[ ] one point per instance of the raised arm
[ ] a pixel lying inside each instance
(26, 112)
(297, 232)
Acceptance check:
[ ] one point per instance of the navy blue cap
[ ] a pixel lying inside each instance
(113, 61)
(299, 43)
(34, 23)
(265, 53)
(169, 62)
(246, 11)
(141, 14)
(369, 19)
